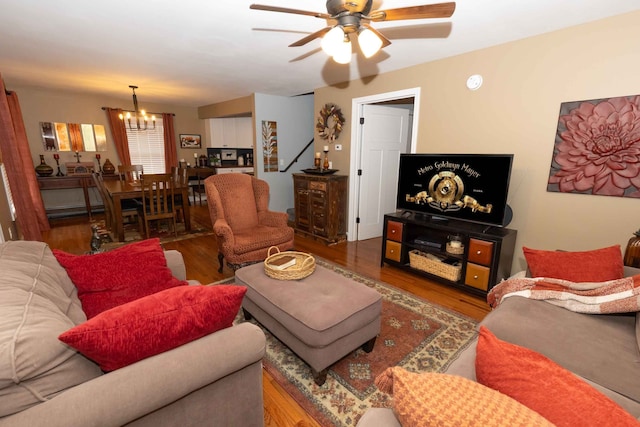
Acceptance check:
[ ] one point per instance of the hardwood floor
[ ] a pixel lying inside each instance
(200, 254)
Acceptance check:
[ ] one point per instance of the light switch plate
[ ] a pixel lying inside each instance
(338, 147)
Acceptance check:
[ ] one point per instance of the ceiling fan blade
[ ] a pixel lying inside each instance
(310, 37)
(440, 10)
(287, 10)
(385, 41)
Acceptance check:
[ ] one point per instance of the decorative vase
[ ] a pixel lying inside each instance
(108, 168)
(632, 253)
(43, 169)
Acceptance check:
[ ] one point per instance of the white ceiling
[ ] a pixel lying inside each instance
(196, 52)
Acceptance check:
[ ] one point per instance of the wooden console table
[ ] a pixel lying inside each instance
(65, 183)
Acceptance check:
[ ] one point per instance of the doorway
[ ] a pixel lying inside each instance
(374, 189)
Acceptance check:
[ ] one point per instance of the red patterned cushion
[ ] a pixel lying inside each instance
(544, 386)
(154, 324)
(598, 265)
(109, 279)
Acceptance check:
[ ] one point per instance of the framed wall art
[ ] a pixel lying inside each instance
(270, 146)
(73, 137)
(190, 141)
(596, 148)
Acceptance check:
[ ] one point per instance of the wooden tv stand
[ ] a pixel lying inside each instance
(485, 261)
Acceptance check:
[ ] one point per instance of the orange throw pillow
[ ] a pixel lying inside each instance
(599, 265)
(432, 399)
(544, 386)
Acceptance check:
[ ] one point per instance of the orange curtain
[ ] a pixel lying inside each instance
(119, 134)
(16, 155)
(170, 151)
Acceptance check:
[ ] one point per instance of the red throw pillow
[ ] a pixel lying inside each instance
(155, 324)
(544, 386)
(599, 265)
(109, 279)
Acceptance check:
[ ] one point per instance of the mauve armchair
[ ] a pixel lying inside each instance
(242, 222)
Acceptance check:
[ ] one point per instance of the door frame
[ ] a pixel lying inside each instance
(357, 106)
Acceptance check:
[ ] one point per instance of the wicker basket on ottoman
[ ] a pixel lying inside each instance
(321, 318)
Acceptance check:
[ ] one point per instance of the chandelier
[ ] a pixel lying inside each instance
(139, 116)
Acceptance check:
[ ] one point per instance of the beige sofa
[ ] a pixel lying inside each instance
(601, 349)
(215, 380)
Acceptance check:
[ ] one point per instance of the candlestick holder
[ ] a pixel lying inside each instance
(56, 157)
(325, 165)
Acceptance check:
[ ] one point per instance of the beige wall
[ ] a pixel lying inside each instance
(516, 111)
(42, 105)
(238, 107)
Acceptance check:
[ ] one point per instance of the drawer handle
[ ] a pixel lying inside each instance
(392, 251)
(393, 231)
(475, 277)
(478, 253)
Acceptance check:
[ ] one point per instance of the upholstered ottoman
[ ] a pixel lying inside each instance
(321, 318)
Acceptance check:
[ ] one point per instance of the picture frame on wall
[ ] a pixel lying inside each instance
(189, 140)
(48, 136)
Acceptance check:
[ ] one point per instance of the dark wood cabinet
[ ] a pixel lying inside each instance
(484, 262)
(321, 206)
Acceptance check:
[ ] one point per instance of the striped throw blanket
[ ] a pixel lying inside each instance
(614, 296)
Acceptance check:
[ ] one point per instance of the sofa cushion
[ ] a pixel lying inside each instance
(109, 279)
(598, 265)
(543, 385)
(37, 303)
(156, 323)
(432, 399)
(31, 266)
(601, 348)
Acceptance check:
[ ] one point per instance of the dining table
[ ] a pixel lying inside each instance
(119, 190)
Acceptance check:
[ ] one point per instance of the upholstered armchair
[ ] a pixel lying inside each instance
(242, 222)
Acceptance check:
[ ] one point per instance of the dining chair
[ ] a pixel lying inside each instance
(181, 178)
(129, 209)
(197, 186)
(130, 173)
(157, 200)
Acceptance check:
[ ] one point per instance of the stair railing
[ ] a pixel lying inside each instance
(295, 159)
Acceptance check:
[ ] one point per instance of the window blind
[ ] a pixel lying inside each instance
(146, 148)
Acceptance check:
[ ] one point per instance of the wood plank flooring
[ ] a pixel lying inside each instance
(201, 258)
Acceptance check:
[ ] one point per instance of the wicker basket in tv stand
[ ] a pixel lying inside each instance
(485, 261)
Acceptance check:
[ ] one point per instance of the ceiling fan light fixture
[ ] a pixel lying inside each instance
(369, 42)
(332, 41)
(342, 55)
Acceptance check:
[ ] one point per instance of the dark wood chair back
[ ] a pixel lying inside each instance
(158, 199)
(130, 173)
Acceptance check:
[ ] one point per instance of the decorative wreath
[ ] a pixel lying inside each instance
(330, 122)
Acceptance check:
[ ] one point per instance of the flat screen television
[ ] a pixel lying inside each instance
(468, 187)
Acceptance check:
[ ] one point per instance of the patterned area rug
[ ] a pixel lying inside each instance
(416, 334)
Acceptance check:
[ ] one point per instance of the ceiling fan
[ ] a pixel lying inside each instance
(353, 16)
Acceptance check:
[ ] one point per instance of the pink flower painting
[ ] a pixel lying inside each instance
(597, 148)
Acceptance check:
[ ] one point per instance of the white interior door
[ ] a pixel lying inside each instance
(385, 134)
